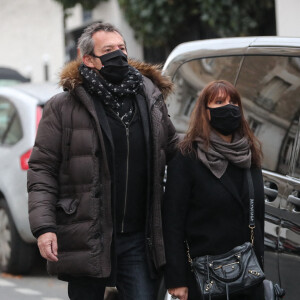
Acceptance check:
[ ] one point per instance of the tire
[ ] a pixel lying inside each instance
(16, 256)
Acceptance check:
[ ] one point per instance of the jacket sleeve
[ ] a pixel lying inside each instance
(175, 208)
(44, 164)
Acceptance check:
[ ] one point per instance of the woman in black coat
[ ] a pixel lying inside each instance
(207, 197)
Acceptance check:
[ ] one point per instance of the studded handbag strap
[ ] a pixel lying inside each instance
(251, 206)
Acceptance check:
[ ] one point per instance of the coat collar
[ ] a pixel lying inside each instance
(70, 77)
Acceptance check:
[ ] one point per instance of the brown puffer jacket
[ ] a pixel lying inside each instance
(69, 194)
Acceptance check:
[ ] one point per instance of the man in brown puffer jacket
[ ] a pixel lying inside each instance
(95, 178)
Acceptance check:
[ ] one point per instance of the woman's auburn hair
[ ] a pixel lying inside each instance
(199, 125)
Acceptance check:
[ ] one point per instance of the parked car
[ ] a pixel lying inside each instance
(21, 109)
(266, 72)
(10, 76)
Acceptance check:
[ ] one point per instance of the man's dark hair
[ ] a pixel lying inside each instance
(86, 43)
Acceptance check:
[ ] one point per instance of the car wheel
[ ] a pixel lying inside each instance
(16, 256)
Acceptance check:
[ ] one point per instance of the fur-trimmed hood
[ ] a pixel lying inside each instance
(70, 77)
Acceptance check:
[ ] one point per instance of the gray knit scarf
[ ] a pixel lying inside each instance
(219, 153)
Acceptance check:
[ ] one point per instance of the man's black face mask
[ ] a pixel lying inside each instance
(115, 66)
(225, 119)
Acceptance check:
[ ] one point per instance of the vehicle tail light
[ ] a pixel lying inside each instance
(39, 112)
(24, 160)
(25, 157)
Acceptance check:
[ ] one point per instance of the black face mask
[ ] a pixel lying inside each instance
(115, 66)
(225, 119)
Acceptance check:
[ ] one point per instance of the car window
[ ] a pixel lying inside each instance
(191, 77)
(10, 125)
(295, 133)
(270, 91)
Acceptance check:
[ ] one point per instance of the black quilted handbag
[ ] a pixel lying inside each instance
(227, 273)
(232, 272)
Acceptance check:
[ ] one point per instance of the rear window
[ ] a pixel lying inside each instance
(295, 160)
(191, 78)
(270, 91)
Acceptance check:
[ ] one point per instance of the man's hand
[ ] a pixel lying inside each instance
(47, 244)
(180, 293)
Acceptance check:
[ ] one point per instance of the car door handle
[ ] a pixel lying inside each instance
(270, 192)
(293, 199)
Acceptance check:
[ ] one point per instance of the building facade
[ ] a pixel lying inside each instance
(32, 39)
(287, 18)
(37, 42)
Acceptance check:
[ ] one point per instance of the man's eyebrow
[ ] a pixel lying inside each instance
(110, 46)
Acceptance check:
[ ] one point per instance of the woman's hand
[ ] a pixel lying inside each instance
(180, 293)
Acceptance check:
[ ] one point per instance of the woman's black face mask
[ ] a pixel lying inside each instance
(114, 66)
(225, 119)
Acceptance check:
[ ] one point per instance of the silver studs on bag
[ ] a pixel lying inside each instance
(254, 272)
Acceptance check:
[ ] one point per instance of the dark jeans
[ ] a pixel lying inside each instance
(133, 278)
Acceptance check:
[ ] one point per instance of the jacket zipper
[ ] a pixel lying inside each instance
(126, 182)
(127, 165)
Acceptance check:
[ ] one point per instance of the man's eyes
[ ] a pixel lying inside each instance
(122, 48)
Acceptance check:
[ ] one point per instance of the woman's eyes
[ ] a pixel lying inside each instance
(222, 101)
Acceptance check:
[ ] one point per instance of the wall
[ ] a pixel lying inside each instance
(31, 35)
(287, 18)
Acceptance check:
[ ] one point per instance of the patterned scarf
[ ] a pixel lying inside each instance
(117, 96)
(219, 153)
